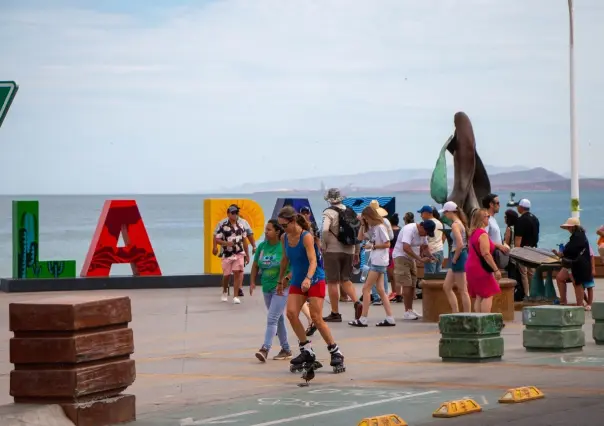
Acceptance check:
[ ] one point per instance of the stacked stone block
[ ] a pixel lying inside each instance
(74, 351)
(553, 328)
(471, 337)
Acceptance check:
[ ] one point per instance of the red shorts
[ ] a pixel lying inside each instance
(317, 290)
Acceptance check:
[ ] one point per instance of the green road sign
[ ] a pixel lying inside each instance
(8, 90)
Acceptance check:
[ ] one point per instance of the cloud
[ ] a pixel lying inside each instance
(191, 98)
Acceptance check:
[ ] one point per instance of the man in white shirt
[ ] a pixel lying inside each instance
(411, 247)
(491, 203)
(435, 243)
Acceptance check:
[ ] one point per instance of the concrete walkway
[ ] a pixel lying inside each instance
(196, 365)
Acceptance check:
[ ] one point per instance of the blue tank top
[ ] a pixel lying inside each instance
(298, 262)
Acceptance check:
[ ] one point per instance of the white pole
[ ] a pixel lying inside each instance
(574, 143)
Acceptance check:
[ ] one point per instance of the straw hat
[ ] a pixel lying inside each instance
(571, 223)
(376, 206)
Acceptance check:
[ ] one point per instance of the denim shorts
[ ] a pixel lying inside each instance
(377, 268)
(460, 266)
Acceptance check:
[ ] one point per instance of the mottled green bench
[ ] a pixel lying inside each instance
(470, 337)
(553, 328)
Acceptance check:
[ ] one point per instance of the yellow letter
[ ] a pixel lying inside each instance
(215, 210)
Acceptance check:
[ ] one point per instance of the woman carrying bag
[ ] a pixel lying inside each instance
(482, 272)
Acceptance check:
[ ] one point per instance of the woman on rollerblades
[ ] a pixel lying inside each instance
(307, 283)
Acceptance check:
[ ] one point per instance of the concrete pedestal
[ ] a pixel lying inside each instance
(553, 328)
(471, 337)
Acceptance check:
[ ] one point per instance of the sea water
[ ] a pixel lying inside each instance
(175, 222)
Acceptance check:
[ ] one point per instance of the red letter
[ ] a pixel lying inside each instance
(120, 216)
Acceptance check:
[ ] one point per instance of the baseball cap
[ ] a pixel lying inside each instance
(429, 226)
(305, 209)
(426, 209)
(233, 208)
(524, 203)
(450, 206)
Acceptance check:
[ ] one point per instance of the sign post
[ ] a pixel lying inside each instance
(8, 90)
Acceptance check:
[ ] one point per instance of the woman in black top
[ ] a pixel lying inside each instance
(576, 253)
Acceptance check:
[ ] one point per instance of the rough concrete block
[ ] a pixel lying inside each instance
(553, 340)
(553, 316)
(69, 313)
(106, 411)
(553, 328)
(471, 337)
(597, 313)
(479, 349)
(471, 324)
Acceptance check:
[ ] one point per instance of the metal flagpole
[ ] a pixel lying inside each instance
(574, 143)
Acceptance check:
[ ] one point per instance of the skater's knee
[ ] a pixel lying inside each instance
(292, 315)
(317, 318)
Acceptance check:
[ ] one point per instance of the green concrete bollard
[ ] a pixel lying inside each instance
(597, 313)
(553, 328)
(470, 337)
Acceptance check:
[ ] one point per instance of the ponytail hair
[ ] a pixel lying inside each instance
(289, 213)
(277, 227)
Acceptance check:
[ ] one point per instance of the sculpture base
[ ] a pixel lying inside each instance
(10, 285)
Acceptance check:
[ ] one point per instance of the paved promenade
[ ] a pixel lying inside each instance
(196, 366)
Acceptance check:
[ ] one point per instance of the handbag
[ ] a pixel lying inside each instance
(483, 262)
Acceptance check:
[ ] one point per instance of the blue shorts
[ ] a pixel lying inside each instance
(460, 266)
(377, 268)
(590, 284)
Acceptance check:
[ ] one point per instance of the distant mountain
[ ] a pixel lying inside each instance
(351, 181)
(537, 179)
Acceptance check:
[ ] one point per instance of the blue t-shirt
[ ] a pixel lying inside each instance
(298, 262)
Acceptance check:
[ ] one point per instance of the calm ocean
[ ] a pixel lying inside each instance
(175, 223)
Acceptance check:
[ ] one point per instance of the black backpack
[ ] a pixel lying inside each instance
(348, 226)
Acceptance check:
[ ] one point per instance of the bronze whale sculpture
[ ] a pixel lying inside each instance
(471, 182)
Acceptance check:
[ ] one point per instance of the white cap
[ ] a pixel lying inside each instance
(449, 206)
(524, 203)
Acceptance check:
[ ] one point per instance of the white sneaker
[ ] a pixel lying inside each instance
(236, 300)
(416, 314)
(224, 297)
(410, 316)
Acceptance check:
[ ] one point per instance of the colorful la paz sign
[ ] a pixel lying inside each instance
(122, 217)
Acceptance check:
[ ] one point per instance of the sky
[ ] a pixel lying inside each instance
(173, 96)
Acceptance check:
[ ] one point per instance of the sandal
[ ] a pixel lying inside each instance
(385, 323)
(357, 323)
